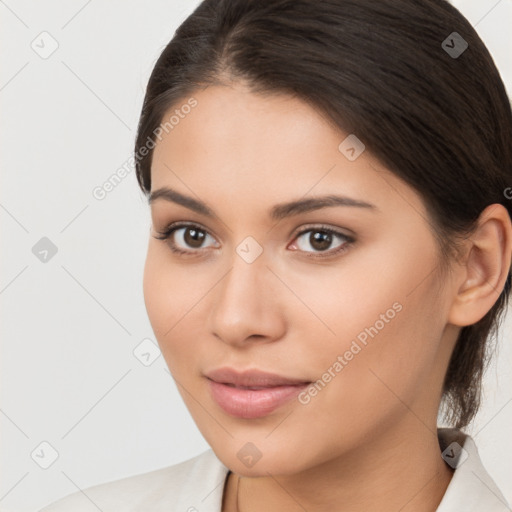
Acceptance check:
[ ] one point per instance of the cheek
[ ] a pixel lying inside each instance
(164, 284)
(154, 289)
(363, 388)
(165, 296)
(359, 300)
(173, 304)
(378, 338)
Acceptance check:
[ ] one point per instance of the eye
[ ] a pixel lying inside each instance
(186, 239)
(321, 239)
(188, 235)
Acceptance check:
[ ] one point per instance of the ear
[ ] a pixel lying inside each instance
(485, 269)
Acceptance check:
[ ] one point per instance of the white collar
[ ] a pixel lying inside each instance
(471, 487)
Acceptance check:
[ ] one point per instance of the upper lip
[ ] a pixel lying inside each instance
(251, 378)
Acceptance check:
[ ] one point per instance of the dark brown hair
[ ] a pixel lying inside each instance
(378, 69)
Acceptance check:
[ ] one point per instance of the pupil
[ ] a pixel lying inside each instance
(320, 240)
(196, 237)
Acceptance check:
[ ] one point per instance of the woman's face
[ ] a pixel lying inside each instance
(361, 312)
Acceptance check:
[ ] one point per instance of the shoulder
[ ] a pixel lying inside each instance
(184, 486)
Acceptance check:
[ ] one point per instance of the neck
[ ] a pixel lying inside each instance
(400, 469)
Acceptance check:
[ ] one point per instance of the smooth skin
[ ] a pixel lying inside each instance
(367, 441)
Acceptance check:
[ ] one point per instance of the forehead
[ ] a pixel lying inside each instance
(273, 148)
(231, 122)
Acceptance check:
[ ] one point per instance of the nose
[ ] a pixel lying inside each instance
(246, 304)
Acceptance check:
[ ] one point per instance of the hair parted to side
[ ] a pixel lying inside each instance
(378, 70)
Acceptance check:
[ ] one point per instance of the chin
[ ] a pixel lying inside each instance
(248, 460)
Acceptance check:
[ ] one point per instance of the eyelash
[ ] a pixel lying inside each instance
(169, 230)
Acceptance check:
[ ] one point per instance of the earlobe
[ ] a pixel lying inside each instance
(486, 267)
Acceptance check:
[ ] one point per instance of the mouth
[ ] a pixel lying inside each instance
(254, 394)
(254, 388)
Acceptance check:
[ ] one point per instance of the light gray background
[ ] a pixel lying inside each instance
(69, 326)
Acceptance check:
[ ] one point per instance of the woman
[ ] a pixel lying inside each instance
(329, 256)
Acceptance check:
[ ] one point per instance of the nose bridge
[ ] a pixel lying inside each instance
(242, 301)
(242, 286)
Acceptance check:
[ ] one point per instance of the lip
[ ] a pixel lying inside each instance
(252, 378)
(229, 389)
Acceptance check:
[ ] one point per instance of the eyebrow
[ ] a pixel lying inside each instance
(277, 212)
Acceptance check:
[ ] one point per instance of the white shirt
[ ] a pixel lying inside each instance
(197, 485)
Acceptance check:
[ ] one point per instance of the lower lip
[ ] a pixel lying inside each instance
(249, 403)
